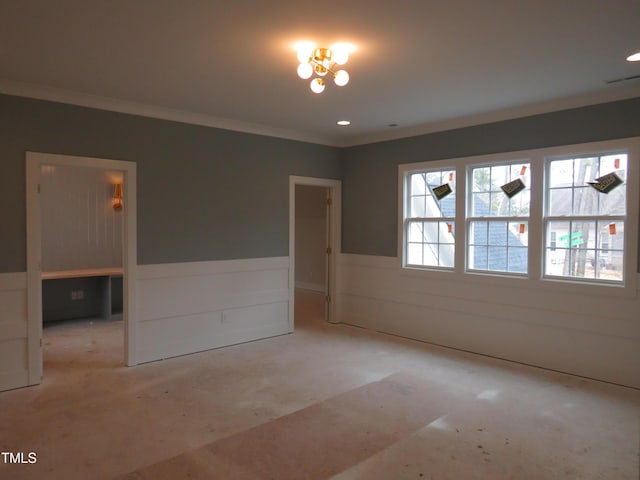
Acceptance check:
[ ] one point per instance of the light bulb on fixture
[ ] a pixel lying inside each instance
(317, 85)
(341, 78)
(305, 50)
(305, 70)
(341, 56)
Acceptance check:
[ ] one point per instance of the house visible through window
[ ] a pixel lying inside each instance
(499, 198)
(430, 211)
(586, 214)
(564, 214)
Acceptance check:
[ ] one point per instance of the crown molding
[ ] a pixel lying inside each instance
(610, 94)
(52, 94)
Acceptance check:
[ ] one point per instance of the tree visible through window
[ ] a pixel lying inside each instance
(498, 218)
(585, 217)
(549, 216)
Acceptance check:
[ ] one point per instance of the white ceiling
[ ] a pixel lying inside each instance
(423, 65)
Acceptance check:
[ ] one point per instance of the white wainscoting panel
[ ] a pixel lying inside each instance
(189, 307)
(596, 336)
(14, 366)
(80, 228)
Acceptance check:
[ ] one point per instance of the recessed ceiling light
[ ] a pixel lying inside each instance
(634, 57)
(344, 123)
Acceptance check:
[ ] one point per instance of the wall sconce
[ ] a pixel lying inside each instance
(117, 197)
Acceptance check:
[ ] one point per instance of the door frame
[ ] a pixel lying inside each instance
(34, 162)
(334, 187)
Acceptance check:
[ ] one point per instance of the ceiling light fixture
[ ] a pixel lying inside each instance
(343, 123)
(323, 61)
(634, 57)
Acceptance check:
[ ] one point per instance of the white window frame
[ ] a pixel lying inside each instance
(535, 278)
(548, 218)
(407, 219)
(470, 218)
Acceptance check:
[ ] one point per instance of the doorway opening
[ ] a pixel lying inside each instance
(81, 267)
(314, 242)
(81, 250)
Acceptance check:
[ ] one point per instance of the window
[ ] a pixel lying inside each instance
(498, 203)
(585, 214)
(556, 216)
(429, 219)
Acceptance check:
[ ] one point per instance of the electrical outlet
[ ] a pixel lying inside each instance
(77, 295)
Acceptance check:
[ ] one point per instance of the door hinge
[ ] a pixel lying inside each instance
(38, 188)
(329, 250)
(328, 299)
(329, 201)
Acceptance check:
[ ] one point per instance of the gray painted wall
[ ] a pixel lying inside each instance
(58, 305)
(57, 302)
(370, 172)
(212, 194)
(203, 193)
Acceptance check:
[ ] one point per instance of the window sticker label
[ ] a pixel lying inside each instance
(612, 229)
(606, 183)
(513, 188)
(442, 191)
